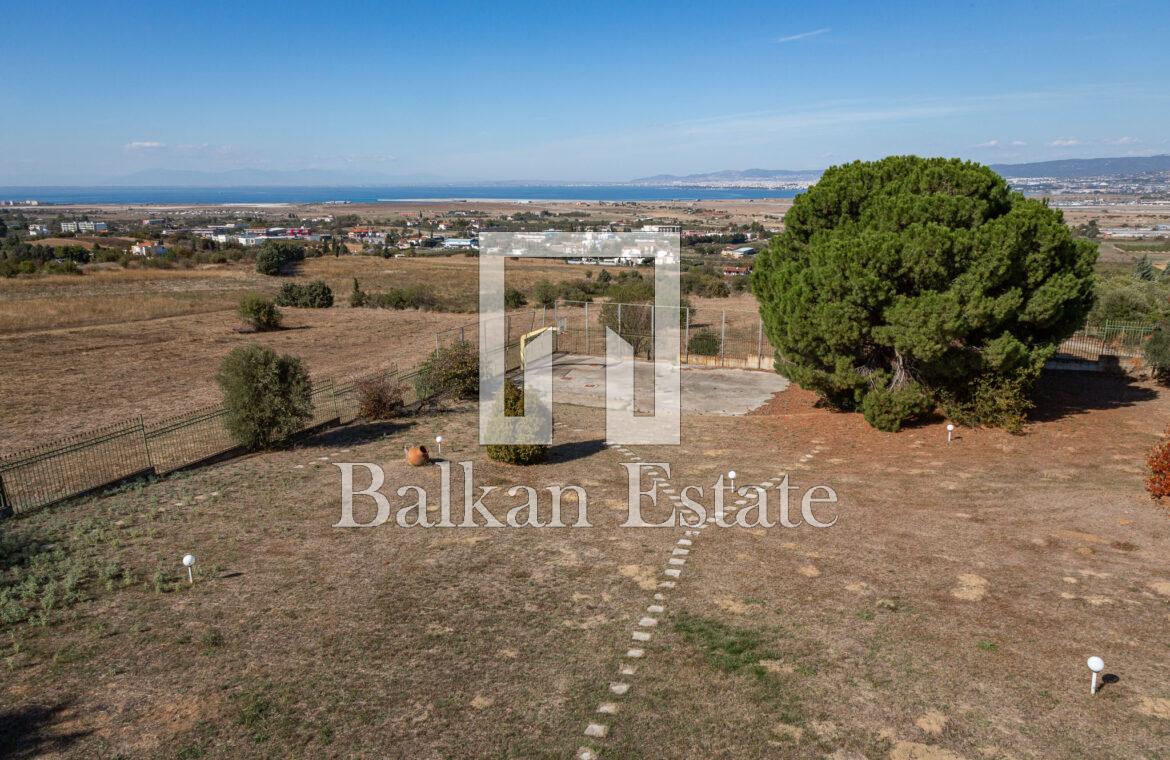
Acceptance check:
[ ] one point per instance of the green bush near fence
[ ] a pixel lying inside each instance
(704, 343)
(266, 396)
(450, 371)
(1157, 351)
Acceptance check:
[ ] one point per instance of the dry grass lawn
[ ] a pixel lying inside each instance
(948, 613)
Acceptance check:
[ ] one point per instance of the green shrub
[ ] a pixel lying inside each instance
(266, 396)
(259, 313)
(887, 408)
(379, 398)
(1157, 351)
(315, 295)
(408, 297)
(357, 296)
(518, 453)
(450, 371)
(992, 401)
(545, 293)
(514, 299)
(704, 343)
(274, 257)
(705, 285)
(1128, 299)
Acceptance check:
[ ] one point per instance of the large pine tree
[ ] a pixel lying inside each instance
(904, 283)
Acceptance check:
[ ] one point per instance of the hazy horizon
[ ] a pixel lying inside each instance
(530, 93)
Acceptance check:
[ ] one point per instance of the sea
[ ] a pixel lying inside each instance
(146, 196)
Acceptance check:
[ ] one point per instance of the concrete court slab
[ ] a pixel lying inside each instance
(726, 392)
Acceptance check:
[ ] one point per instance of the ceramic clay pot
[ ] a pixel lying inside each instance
(417, 456)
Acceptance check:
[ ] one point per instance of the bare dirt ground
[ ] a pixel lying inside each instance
(82, 352)
(946, 614)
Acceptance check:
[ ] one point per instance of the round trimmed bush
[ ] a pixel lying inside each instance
(259, 313)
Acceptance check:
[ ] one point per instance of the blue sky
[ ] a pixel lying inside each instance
(589, 91)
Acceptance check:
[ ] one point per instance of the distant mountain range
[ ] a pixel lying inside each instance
(1079, 168)
(1068, 168)
(731, 176)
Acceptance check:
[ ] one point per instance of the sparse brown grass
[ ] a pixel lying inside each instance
(864, 639)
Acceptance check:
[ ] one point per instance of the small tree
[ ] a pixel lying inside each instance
(1157, 351)
(514, 299)
(266, 396)
(545, 293)
(259, 313)
(317, 295)
(630, 314)
(517, 453)
(450, 371)
(269, 262)
(1143, 269)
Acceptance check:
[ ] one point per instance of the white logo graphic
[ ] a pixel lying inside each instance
(655, 328)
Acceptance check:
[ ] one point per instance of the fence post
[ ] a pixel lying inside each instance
(722, 335)
(760, 346)
(5, 505)
(461, 338)
(145, 443)
(687, 334)
(619, 330)
(586, 351)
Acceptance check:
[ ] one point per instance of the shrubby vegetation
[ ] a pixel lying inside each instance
(277, 256)
(1158, 481)
(518, 453)
(259, 313)
(906, 283)
(704, 343)
(379, 398)
(18, 258)
(449, 372)
(315, 295)
(266, 396)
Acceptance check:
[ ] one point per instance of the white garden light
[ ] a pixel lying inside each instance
(439, 443)
(1096, 664)
(950, 431)
(189, 562)
(731, 475)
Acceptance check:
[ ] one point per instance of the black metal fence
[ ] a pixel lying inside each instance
(713, 337)
(83, 463)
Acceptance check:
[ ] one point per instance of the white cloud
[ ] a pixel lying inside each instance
(1018, 143)
(1124, 141)
(804, 35)
(144, 145)
(1065, 142)
(988, 144)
